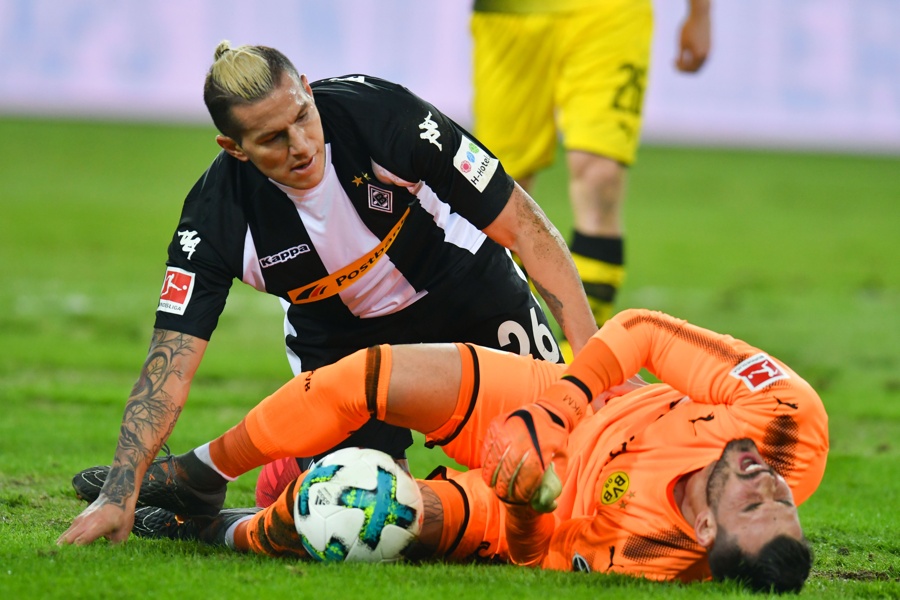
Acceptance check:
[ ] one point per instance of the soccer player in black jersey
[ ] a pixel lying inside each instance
(373, 217)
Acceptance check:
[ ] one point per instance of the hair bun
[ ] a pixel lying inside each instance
(223, 47)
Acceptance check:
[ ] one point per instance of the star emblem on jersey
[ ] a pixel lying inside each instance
(380, 199)
(358, 181)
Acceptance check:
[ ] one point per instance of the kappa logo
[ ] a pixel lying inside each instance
(283, 256)
(189, 241)
(431, 133)
(758, 372)
(477, 165)
(176, 291)
(380, 199)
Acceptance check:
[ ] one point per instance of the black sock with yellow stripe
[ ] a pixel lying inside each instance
(600, 263)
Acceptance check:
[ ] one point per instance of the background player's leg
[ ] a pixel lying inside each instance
(597, 192)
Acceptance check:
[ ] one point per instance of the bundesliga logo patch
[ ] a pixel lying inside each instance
(176, 291)
(758, 371)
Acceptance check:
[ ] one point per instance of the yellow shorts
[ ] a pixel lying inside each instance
(582, 73)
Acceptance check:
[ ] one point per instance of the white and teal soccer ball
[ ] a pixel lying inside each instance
(358, 505)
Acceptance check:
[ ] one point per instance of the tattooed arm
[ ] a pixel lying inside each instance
(152, 409)
(524, 228)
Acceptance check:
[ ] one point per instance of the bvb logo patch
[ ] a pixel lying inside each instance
(615, 487)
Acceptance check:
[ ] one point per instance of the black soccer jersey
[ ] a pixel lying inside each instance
(396, 220)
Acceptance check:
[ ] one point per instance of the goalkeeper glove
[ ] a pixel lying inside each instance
(524, 456)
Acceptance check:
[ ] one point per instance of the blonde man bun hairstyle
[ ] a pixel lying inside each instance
(241, 76)
(223, 47)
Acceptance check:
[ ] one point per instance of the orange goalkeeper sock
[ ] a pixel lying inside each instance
(310, 414)
(234, 453)
(271, 531)
(452, 510)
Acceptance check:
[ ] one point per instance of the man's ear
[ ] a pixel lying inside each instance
(304, 83)
(705, 527)
(231, 147)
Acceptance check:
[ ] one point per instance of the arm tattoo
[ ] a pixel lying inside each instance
(150, 414)
(554, 304)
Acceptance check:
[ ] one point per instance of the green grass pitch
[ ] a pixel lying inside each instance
(796, 253)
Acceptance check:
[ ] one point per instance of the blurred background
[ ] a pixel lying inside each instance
(822, 74)
(765, 202)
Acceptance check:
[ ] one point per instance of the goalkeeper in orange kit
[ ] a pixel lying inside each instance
(571, 468)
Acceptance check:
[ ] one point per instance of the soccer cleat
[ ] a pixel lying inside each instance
(166, 485)
(151, 522)
(89, 482)
(215, 531)
(158, 523)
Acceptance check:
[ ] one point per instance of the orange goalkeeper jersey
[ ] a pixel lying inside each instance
(617, 512)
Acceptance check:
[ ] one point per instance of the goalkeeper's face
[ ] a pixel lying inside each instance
(749, 499)
(282, 135)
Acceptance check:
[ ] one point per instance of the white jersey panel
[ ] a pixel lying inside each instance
(340, 238)
(290, 330)
(457, 230)
(252, 272)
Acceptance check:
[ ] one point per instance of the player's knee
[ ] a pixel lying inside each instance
(596, 171)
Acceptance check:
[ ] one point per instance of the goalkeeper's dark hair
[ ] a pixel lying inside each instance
(781, 565)
(241, 76)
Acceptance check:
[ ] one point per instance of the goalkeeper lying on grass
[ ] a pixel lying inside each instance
(571, 468)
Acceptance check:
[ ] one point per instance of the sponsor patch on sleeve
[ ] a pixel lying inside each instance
(759, 371)
(477, 165)
(176, 291)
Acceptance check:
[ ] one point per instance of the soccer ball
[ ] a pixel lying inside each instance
(358, 505)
